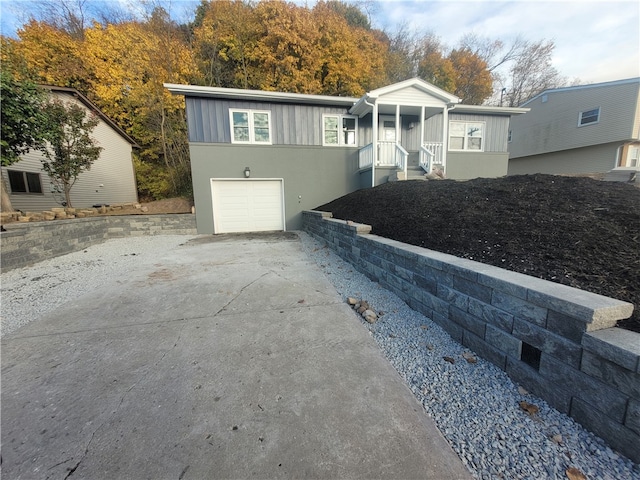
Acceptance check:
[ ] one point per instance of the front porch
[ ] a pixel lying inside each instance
(409, 129)
(429, 157)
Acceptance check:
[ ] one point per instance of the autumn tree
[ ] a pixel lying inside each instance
(472, 79)
(531, 73)
(52, 56)
(433, 64)
(130, 62)
(70, 149)
(22, 123)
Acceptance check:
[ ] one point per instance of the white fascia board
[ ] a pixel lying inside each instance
(480, 109)
(241, 94)
(421, 85)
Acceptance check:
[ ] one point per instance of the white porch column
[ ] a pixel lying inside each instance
(445, 138)
(422, 126)
(374, 140)
(398, 129)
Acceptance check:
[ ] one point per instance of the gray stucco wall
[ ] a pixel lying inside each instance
(596, 159)
(468, 165)
(312, 175)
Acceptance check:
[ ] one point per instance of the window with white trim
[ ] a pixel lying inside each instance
(250, 126)
(589, 117)
(466, 136)
(340, 130)
(24, 182)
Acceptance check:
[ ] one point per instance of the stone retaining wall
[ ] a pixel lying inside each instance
(556, 341)
(28, 243)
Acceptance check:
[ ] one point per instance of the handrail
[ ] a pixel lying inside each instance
(365, 156)
(402, 157)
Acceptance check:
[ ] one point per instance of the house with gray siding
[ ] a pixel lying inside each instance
(110, 180)
(259, 158)
(578, 130)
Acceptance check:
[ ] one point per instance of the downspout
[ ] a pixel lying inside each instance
(374, 138)
(445, 135)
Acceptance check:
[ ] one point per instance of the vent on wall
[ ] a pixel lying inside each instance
(531, 355)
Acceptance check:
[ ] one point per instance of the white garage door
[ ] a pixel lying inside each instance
(247, 205)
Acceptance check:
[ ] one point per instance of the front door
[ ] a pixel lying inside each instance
(387, 128)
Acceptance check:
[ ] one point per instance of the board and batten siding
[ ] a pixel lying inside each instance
(495, 135)
(113, 170)
(552, 123)
(291, 124)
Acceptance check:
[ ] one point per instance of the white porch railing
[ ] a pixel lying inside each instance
(365, 156)
(430, 155)
(390, 154)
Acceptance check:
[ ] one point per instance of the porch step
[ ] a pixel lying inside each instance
(413, 173)
(628, 175)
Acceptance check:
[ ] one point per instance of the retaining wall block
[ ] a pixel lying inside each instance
(619, 346)
(483, 349)
(453, 297)
(550, 343)
(607, 400)
(491, 315)
(473, 289)
(504, 342)
(466, 321)
(596, 310)
(619, 437)
(557, 396)
(566, 326)
(452, 328)
(519, 308)
(504, 281)
(614, 375)
(632, 420)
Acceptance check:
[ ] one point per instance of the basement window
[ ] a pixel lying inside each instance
(531, 355)
(24, 182)
(589, 117)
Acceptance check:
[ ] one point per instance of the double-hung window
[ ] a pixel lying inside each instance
(466, 136)
(24, 182)
(250, 126)
(589, 117)
(340, 130)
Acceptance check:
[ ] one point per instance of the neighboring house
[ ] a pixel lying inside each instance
(576, 130)
(259, 158)
(111, 179)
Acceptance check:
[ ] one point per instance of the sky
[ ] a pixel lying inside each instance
(596, 40)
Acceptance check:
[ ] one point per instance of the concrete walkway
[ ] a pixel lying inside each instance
(230, 357)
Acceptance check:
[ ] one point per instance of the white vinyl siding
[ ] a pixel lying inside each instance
(250, 126)
(589, 117)
(110, 180)
(340, 130)
(24, 182)
(466, 136)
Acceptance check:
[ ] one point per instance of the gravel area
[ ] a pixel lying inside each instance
(475, 405)
(30, 292)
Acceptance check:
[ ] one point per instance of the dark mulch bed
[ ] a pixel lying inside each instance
(572, 230)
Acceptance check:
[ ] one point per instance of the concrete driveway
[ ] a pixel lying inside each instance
(230, 357)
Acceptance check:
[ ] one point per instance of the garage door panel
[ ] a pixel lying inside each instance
(247, 205)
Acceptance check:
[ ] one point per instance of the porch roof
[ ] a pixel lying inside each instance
(411, 93)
